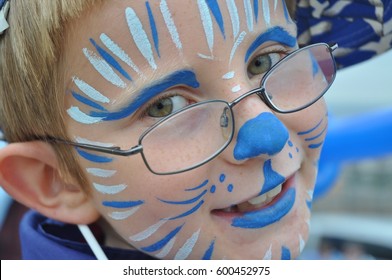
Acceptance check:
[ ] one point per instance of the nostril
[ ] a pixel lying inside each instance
(264, 134)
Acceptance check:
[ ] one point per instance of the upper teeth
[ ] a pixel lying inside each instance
(261, 198)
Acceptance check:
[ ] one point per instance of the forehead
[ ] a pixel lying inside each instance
(138, 40)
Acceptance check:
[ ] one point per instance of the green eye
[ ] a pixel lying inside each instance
(166, 106)
(262, 63)
(160, 109)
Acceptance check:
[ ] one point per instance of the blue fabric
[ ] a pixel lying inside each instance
(362, 28)
(2, 2)
(46, 239)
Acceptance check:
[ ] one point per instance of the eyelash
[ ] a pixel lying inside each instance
(281, 50)
(144, 112)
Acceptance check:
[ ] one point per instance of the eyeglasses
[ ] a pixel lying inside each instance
(195, 134)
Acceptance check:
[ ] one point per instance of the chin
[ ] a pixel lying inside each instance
(276, 228)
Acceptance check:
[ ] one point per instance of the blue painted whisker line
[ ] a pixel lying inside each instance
(198, 187)
(318, 135)
(161, 243)
(122, 204)
(316, 145)
(216, 11)
(286, 254)
(93, 158)
(208, 254)
(189, 212)
(315, 65)
(87, 101)
(153, 26)
(310, 130)
(309, 204)
(110, 60)
(189, 201)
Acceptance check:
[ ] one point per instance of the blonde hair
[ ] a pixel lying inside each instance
(31, 104)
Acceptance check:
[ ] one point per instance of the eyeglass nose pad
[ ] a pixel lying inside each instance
(263, 135)
(224, 119)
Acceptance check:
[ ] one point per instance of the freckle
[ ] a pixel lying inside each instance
(290, 143)
(222, 178)
(213, 188)
(290, 155)
(230, 188)
(297, 150)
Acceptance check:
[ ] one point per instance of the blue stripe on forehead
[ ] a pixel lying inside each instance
(110, 59)
(182, 77)
(154, 30)
(277, 34)
(256, 9)
(214, 7)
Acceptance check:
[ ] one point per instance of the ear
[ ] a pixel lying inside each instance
(29, 172)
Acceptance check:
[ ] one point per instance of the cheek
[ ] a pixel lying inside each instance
(309, 127)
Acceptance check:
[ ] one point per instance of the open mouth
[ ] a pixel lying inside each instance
(256, 203)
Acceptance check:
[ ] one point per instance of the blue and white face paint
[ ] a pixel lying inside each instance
(252, 201)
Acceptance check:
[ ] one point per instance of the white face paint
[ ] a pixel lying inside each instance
(188, 51)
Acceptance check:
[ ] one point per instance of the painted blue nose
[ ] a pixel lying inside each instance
(263, 135)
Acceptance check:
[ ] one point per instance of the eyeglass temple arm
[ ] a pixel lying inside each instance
(333, 46)
(109, 150)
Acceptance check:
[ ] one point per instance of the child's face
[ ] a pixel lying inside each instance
(130, 48)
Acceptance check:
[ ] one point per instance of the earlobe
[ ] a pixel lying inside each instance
(29, 172)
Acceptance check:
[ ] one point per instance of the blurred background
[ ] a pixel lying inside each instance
(353, 218)
(352, 212)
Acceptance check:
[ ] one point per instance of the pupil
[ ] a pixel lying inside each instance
(258, 62)
(160, 106)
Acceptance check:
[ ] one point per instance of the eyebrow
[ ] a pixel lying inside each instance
(277, 34)
(182, 77)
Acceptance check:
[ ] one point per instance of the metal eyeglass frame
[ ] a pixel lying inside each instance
(229, 106)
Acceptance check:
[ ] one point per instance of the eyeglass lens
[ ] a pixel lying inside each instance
(188, 138)
(198, 133)
(301, 79)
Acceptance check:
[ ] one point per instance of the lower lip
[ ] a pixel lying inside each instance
(273, 212)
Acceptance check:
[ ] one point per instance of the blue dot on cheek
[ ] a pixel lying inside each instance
(265, 134)
(213, 189)
(230, 188)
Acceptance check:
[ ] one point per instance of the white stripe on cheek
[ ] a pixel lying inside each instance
(115, 189)
(81, 140)
(166, 250)
(123, 215)
(187, 248)
(268, 254)
(102, 173)
(140, 37)
(148, 232)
